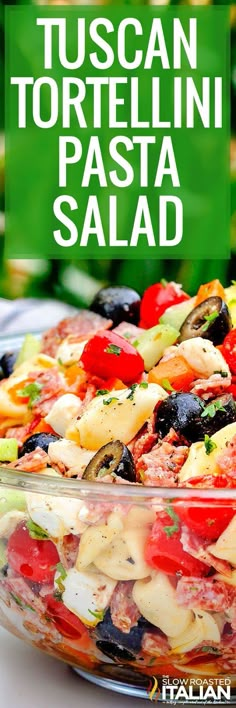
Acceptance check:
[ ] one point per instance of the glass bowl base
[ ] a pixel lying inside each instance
(112, 685)
(144, 692)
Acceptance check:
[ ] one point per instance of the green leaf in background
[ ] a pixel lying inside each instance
(77, 282)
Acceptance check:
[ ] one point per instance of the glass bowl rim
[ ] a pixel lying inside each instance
(103, 492)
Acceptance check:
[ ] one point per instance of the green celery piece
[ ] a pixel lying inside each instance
(30, 347)
(176, 314)
(11, 499)
(8, 449)
(153, 342)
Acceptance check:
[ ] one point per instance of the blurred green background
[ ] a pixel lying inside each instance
(76, 282)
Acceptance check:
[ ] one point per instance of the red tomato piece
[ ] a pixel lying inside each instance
(229, 350)
(109, 355)
(65, 621)
(207, 521)
(164, 550)
(156, 299)
(32, 558)
(212, 481)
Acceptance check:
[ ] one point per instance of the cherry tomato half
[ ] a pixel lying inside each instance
(229, 350)
(164, 550)
(32, 558)
(108, 355)
(65, 621)
(156, 299)
(206, 521)
(232, 389)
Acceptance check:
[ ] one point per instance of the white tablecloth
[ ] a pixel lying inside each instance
(30, 314)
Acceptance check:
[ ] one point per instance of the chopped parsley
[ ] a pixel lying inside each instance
(99, 614)
(133, 387)
(21, 604)
(132, 390)
(164, 282)
(60, 362)
(32, 392)
(152, 661)
(210, 650)
(169, 530)
(209, 319)
(62, 576)
(102, 391)
(57, 596)
(60, 569)
(113, 349)
(107, 401)
(224, 374)
(211, 409)
(210, 445)
(172, 513)
(165, 383)
(36, 531)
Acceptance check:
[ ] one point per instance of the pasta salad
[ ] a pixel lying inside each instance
(135, 392)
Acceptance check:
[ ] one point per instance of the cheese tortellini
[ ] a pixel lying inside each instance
(225, 546)
(115, 416)
(93, 542)
(123, 559)
(8, 407)
(203, 628)
(198, 462)
(156, 600)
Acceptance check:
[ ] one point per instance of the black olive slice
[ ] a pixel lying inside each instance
(179, 411)
(218, 413)
(120, 304)
(42, 440)
(132, 641)
(210, 320)
(7, 362)
(115, 651)
(113, 458)
(194, 418)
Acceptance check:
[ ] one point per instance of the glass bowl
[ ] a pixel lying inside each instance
(94, 602)
(124, 624)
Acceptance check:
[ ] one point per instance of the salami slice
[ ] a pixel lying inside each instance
(124, 611)
(85, 323)
(206, 594)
